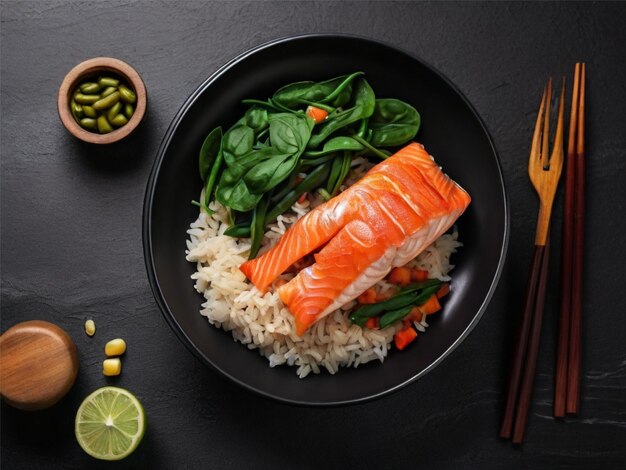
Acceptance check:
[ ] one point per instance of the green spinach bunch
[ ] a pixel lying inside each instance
(254, 167)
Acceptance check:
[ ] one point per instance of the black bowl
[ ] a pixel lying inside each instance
(451, 131)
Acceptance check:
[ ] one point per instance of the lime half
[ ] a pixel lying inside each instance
(110, 423)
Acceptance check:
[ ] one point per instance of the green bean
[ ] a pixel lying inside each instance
(77, 110)
(412, 288)
(325, 194)
(114, 111)
(103, 125)
(119, 120)
(129, 110)
(85, 99)
(288, 185)
(215, 171)
(108, 81)
(363, 128)
(238, 231)
(127, 95)
(394, 315)
(403, 298)
(340, 169)
(335, 171)
(89, 111)
(257, 227)
(312, 180)
(305, 163)
(90, 88)
(266, 104)
(107, 102)
(365, 143)
(108, 91)
(345, 169)
(89, 123)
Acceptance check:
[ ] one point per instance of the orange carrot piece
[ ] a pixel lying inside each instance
(317, 114)
(372, 323)
(432, 305)
(443, 291)
(400, 276)
(415, 315)
(367, 297)
(418, 275)
(302, 198)
(404, 337)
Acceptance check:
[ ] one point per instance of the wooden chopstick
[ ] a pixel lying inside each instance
(521, 346)
(567, 243)
(526, 390)
(567, 378)
(574, 356)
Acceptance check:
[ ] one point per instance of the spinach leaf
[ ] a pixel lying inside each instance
(237, 196)
(336, 92)
(232, 190)
(211, 147)
(333, 145)
(289, 135)
(393, 123)
(267, 174)
(364, 102)
(257, 119)
(237, 141)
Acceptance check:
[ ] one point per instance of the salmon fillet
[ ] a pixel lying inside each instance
(384, 220)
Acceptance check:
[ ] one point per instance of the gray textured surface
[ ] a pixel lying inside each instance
(71, 236)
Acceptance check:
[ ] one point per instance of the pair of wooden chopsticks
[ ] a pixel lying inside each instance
(568, 367)
(544, 171)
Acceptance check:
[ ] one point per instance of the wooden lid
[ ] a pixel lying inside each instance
(38, 364)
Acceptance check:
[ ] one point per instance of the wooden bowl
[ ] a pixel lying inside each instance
(86, 70)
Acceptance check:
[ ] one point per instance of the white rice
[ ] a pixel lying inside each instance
(262, 322)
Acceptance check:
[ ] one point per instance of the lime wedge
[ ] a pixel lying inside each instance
(110, 423)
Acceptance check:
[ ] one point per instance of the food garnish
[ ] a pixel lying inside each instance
(115, 347)
(110, 423)
(112, 367)
(103, 105)
(90, 327)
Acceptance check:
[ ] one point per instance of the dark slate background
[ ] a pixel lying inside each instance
(72, 248)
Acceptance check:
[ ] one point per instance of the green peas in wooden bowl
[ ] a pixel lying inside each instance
(102, 100)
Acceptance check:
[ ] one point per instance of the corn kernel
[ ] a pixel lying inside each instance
(90, 327)
(111, 367)
(115, 347)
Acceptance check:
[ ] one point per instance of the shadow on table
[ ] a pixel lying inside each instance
(125, 155)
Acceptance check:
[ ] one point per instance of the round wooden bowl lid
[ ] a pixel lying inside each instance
(38, 364)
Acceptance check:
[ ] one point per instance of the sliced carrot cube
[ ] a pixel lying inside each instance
(432, 305)
(367, 297)
(372, 323)
(443, 291)
(400, 276)
(317, 114)
(418, 275)
(404, 337)
(415, 315)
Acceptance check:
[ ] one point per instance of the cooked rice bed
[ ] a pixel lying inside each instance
(262, 322)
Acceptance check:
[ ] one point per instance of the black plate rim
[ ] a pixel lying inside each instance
(147, 223)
